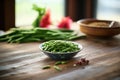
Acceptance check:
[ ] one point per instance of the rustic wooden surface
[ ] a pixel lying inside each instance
(25, 62)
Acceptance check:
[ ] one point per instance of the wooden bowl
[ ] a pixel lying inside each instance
(98, 31)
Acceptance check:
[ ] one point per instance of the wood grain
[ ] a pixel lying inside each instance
(25, 62)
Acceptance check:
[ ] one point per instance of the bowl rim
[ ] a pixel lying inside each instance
(79, 45)
(80, 22)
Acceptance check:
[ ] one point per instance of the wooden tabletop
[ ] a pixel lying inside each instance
(25, 62)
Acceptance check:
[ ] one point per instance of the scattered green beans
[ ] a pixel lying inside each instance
(17, 35)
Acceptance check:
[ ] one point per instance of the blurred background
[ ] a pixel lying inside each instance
(16, 13)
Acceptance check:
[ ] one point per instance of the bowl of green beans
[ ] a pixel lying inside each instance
(60, 49)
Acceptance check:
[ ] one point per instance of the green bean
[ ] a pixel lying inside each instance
(46, 67)
(77, 37)
(63, 62)
(60, 62)
(57, 68)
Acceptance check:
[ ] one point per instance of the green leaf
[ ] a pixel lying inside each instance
(41, 11)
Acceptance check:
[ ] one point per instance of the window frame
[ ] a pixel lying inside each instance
(80, 9)
(76, 9)
(7, 14)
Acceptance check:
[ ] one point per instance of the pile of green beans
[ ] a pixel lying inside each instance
(17, 35)
(56, 46)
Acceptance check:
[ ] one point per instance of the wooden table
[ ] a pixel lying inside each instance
(25, 62)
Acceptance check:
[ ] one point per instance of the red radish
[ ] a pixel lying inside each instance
(46, 20)
(65, 23)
